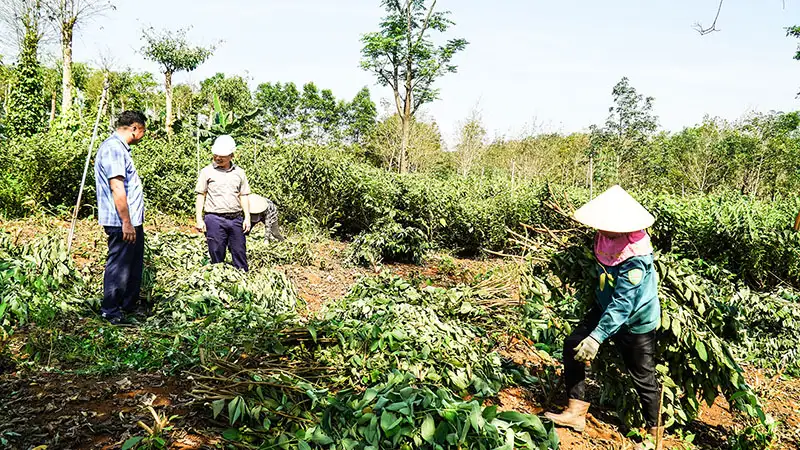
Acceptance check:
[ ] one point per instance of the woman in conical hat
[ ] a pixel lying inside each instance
(626, 308)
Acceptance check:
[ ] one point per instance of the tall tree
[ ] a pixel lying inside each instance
(232, 92)
(403, 56)
(424, 149)
(17, 17)
(697, 157)
(630, 124)
(26, 104)
(310, 102)
(795, 33)
(361, 117)
(471, 142)
(279, 104)
(174, 53)
(66, 17)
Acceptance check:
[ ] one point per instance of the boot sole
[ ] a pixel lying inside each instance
(576, 428)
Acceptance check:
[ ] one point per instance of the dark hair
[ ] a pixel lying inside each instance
(128, 118)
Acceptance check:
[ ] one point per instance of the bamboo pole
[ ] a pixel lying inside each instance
(197, 148)
(86, 166)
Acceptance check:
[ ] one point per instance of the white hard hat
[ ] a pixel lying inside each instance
(616, 211)
(223, 146)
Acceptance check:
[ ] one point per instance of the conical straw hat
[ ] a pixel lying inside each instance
(258, 204)
(616, 211)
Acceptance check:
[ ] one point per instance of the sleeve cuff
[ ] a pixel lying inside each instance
(598, 335)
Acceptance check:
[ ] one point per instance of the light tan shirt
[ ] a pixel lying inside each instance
(222, 188)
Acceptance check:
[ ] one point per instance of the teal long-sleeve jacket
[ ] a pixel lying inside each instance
(628, 298)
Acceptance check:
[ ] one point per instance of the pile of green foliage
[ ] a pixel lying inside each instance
(200, 309)
(38, 281)
(390, 365)
(770, 326)
(401, 413)
(387, 324)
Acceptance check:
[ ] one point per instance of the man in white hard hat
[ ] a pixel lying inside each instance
(222, 192)
(626, 309)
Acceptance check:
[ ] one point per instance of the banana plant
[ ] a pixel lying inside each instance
(225, 122)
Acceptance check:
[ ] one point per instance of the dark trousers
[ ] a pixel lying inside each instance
(638, 353)
(122, 280)
(223, 234)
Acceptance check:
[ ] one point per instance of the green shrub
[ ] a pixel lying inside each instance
(42, 170)
(389, 242)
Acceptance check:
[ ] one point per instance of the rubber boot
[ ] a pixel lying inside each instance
(275, 231)
(654, 439)
(573, 417)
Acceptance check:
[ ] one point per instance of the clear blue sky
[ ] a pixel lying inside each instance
(553, 62)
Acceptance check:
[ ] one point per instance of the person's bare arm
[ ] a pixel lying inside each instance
(198, 212)
(245, 201)
(121, 203)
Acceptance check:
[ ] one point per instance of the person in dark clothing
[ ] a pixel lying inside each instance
(626, 309)
(120, 210)
(222, 192)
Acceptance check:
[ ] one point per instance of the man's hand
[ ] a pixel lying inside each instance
(246, 224)
(128, 232)
(200, 225)
(587, 350)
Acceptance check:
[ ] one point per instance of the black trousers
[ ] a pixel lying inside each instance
(122, 280)
(638, 353)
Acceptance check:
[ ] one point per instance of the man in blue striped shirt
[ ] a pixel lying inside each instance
(120, 208)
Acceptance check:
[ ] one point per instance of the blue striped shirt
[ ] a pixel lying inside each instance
(114, 160)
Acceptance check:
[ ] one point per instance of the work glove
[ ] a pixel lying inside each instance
(587, 350)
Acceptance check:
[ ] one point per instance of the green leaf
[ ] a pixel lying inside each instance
(131, 442)
(490, 413)
(513, 416)
(475, 417)
(372, 433)
(428, 429)
(232, 434)
(319, 437)
(701, 350)
(676, 328)
(235, 409)
(535, 424)
(303, 445)
(389, 421)
(217, 406)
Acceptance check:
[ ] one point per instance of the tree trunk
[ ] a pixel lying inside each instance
(52, 107)
(405, 128)
(406, 116)
(168, 88)
(66, 76)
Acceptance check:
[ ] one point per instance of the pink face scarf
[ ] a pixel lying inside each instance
(613, 251)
